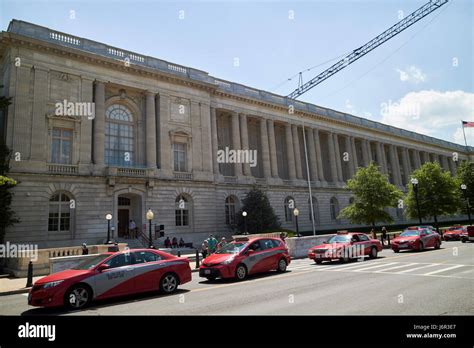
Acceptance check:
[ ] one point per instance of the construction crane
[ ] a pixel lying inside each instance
(396, 29)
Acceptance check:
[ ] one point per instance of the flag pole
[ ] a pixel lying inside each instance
(464, 134)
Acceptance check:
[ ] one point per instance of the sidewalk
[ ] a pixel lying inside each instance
(12, 286)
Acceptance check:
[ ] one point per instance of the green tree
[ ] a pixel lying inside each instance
(373, 193)
(438, 193)
(260, 215)
(7, 216)
(465, 175)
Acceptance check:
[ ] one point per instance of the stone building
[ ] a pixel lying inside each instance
(152, 142)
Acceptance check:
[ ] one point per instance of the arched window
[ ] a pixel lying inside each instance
(230, 209)
(182, 211)
(289, 206)
(334, 207)
(119, 136)
(59, 219)
(315, 210)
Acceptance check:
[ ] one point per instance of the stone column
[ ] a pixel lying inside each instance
(426, 157)
(452, 166)
(354, 154)
(312, 155)
(380, 157)
(290, 154)
(236, 141)
(85, 151)
(406, 164)
(319, 158)
(338, 157)
(416, 155)
(332, 159)
(350, 150)
(273, 151)
(394, 165)
(245, 141)
(267, 172)
(296, 149)
(444, 162)
(39, 132)
(215, 165)
(165, 140)
(150, 130)
(99, 122)
(365, 152)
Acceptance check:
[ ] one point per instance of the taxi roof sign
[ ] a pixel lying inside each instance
(241, 239)
(343, 232)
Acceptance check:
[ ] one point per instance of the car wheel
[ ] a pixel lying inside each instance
(421, 247)
(463, 240)
(344, 259)
(281, 265)
(373, 253)
(396, 251)
(437, 245)
(78, 296)
(318, 262)
(169, 283)
(241, 272)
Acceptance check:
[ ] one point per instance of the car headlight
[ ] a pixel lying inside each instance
(52, 284)
(412, 241)
(228, 261)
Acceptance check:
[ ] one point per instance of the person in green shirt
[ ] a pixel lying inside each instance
(212, 243)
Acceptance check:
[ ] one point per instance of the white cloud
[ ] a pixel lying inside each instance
(434, 113)
(412, 74)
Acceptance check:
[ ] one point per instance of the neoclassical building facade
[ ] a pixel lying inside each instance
(152, 142)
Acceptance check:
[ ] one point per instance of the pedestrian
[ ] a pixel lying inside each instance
(212, 243)
(167, 242)
(85, 249)
(174, 242)
(283, 237)
(181, 242)
(372, 232)
(222, 243)
(384, 234)
(204, 249)
(132, 229)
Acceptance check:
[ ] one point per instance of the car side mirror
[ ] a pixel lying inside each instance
(103, 267)
(250, 252)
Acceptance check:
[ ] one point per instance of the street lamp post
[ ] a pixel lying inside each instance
(149, 217)
(414, 182)
(244, 215)
(296, 212)
(108, 217)
(468, 206)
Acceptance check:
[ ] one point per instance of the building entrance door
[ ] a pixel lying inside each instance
(123, 220)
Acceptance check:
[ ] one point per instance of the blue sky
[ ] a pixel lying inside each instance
(421, 80)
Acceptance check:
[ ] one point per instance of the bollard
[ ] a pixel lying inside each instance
(197, 258)
(388, 239)
(29, 279)
(179, 253)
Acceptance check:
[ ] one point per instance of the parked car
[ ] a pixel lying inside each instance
(345, 246)
(245, 256)
(453, 233)
(416, 239)
(109, 275)
(468, 235)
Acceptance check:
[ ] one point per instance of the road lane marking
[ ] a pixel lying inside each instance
(443, 269)
(376, 266)
(400, 266)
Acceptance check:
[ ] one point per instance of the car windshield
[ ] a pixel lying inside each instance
(339, 238)
(409, 233)
(91, 262)
(231, 248)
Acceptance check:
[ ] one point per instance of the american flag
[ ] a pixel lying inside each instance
(467, 124)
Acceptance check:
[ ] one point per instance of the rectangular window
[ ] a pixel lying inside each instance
(179, 153)
(61, 147)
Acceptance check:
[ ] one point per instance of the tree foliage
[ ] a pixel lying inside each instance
(260, 215)
(373, 193)
(438, 193)
(465, 175)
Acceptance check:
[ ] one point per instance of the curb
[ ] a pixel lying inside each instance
(14, 292)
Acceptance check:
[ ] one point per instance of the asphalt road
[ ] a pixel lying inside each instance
(433, 282)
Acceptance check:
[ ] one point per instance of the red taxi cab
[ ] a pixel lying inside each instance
(468, 235)
(245, 256)
(453, 233)
(416, 239)
(109, 275)
(345, 246)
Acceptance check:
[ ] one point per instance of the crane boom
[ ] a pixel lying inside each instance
(408, 21)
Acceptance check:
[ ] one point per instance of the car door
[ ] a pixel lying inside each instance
(117, 279)
(256, 261)
(148, 268)
(272, 255)
(364, 244)
(426, 238)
